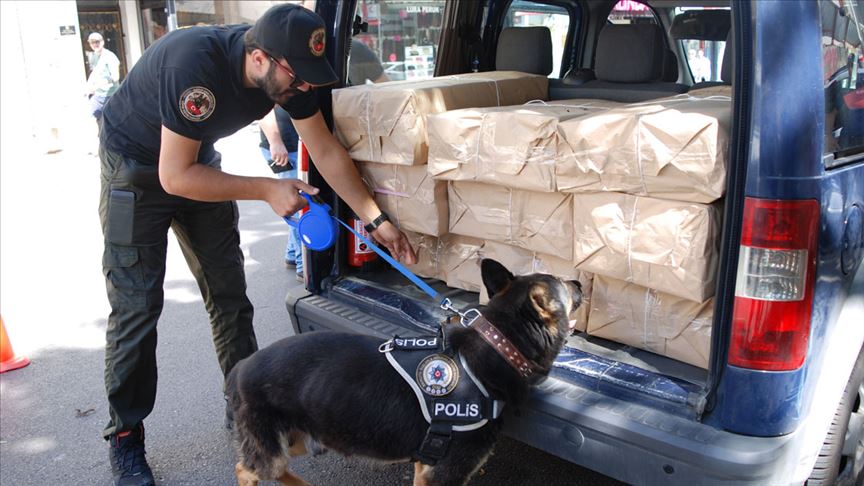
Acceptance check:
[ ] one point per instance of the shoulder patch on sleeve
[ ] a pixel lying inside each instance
(197, 103)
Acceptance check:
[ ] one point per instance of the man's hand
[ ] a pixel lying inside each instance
(278, 153)
(395, 240)
(284, 195)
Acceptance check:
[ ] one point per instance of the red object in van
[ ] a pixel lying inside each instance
(359, 252)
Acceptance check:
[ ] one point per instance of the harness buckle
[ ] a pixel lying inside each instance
(466, 318)
(436, 443)
(386, 347)
(469, 316)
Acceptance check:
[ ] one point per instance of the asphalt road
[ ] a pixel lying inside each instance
(53, 303)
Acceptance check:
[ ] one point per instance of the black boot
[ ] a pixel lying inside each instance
(128, 465)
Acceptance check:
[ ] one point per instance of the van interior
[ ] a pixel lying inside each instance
(587, 52)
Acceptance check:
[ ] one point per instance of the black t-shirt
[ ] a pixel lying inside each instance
(191, 81)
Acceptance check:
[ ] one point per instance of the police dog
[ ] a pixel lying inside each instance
(337, 391)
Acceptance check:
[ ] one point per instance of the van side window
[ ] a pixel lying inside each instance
(524, 13)
(400, 43)
(704, 57)
(843, 76)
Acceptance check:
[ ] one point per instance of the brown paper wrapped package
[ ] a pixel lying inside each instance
(386, 122)
(461, 257)
(651, 320)
(409, 195)
(429, 255)
(512, 146)
(673, 148)
(456, 260)
(537, 221)
(666, 245)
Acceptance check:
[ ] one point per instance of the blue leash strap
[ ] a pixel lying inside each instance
(398, 266)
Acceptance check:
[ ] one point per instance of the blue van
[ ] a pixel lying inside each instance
(782, 398)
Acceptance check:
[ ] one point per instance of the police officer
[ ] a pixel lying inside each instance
(160, 170)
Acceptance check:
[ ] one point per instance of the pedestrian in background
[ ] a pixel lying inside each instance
(279, 145)
(104, 76)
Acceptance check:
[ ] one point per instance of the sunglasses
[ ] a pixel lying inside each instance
(296, 81)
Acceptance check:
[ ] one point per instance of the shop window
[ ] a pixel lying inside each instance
(401, 41)
(532, 14)
(842, 63)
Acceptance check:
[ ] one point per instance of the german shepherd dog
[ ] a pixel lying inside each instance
(337, 390)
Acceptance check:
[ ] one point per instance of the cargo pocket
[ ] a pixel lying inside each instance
(121, 217)
(124, 277)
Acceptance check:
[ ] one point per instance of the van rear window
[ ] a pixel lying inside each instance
(843, 76)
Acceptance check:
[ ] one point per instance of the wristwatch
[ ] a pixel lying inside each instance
(376, 222)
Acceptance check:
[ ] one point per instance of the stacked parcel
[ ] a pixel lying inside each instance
(635, 180)
(386, 122)
(383, 126)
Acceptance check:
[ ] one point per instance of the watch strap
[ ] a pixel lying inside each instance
(376, 222)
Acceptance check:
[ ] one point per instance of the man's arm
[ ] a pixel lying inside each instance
(114, 68)
(270, 127)
(339, 171)
(181, 175)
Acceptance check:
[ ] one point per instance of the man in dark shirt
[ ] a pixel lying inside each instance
(160, 170)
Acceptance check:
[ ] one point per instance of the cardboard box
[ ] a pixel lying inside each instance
(511, 146)
(669, 246)
(673, 148)
(651, 320)
(386, 122)
(409, 195)
(537, 221)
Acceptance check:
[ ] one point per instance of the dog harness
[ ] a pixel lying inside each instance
(451, 398)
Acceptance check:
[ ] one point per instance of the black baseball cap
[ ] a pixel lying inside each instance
(297, 35)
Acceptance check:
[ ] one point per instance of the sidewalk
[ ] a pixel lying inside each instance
(53, 303)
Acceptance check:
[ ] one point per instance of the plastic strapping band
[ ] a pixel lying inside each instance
(369, 128)
(398, 266)
(630, 241)
(639, 153)
(645, 317)
(510, 216)
(479, 141)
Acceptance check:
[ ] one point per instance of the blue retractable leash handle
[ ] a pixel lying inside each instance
(318, 230)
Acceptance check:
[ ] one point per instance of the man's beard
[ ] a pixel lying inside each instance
(269, 86)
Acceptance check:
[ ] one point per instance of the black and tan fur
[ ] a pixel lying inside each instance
(338, 390)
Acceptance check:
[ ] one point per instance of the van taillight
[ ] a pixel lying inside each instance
(774, 287)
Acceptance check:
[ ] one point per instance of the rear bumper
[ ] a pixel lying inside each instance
(626, 441)
(642, 445)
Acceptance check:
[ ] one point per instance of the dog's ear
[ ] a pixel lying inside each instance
(495, 277)
(545, 305)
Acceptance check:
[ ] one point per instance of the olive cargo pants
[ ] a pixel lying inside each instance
(136, 213)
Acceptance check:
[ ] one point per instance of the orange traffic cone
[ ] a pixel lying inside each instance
(8, 360)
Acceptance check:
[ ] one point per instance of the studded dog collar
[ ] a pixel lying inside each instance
(503, 346)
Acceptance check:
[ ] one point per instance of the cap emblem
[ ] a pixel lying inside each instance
(197, 103)
(316, 42)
